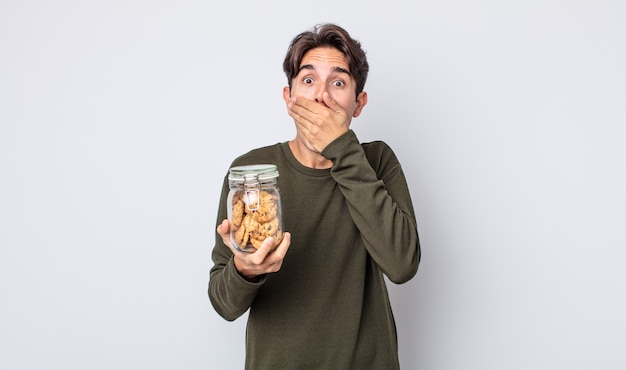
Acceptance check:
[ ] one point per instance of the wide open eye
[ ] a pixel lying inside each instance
(307, 80)
(338, 83)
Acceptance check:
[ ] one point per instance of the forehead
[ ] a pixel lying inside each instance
(325, 56)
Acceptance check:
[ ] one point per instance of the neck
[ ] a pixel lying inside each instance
(308, 157)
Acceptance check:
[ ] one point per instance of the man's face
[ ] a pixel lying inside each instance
(325, 69)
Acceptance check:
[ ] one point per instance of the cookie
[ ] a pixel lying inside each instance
(268, 229)
(237, 217)
(255, 218)
(278, 238)
(241, 235)
(265, 209)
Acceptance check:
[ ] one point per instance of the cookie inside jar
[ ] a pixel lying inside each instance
(254, 207)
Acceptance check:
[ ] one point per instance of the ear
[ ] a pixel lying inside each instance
(361, 101)
(287, 94)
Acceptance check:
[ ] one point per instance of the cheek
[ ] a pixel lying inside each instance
(308, 93)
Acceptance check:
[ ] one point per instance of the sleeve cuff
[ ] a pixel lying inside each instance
(340, 145)
(240, 281)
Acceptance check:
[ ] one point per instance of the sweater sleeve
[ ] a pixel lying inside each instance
(231, 295)
(379, 202)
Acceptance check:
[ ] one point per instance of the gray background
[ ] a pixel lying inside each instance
(118, 120)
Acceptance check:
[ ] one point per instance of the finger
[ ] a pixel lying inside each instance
(225, 224)
(307, 108)
(305, 117)
(274, 260)
(299, 113)
(338, 110)
(303, 104)
(281, 251)
(260, 254)
(331, 103)
(224, 229)
(297, 117)
(305, 125)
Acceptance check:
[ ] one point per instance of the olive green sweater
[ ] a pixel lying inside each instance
(328, 306)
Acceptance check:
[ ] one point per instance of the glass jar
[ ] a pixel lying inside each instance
(254, 207)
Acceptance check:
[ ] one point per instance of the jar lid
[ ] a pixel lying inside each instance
(261, 171)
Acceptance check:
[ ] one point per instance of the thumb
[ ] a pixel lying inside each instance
(332, 103)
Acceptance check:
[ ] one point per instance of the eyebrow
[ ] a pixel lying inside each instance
(336, 69)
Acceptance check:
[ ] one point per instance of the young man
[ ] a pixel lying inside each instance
(319, 301)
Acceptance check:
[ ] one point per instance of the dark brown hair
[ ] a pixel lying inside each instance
(327, 35)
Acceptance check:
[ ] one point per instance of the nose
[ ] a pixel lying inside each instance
(319, 93)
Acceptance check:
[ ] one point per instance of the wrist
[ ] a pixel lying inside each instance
(252, 278)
